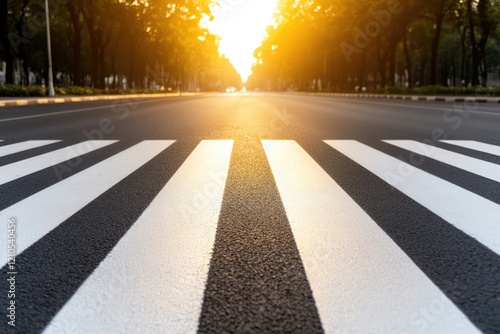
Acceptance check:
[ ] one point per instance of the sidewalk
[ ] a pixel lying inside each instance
(23, 101)
(473, 99)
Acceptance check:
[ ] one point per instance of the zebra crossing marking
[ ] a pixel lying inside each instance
(40, 213)
(24, 146)
(469, 212)
(166, 257)
(475, 145)
(29, 166)
(479, 167)
(355, 270)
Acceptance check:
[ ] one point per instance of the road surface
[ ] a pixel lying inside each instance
(250, 213)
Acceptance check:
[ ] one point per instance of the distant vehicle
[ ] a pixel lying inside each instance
(230, 90)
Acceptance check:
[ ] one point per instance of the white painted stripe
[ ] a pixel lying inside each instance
(24, 146)
(22, 168)
(471, 213)
(361, 280)
(154, 279)
(480, 167)
(119, 100)
(476, 146)
(40, 213)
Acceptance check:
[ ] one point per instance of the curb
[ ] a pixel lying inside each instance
(49, 100)
(417, 97)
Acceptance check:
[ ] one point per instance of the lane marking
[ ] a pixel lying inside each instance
(475, 145)
(40, 213)
(22, 168)
(55, 113)
(162, 262)
(479, 167)
(24, 146)
(471, 213)
(412, 105)
(362, 281)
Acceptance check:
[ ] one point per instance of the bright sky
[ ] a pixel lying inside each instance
(241, 25)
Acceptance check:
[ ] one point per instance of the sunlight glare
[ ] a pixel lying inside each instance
(241, 26)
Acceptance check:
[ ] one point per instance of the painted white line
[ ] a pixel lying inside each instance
(22, 168)
(40, 213)
(475, 145)
(361, 280)
(418, 106)
(471, 213)
(24, 146)
(480, 167)
(154, 279)
(56, 113)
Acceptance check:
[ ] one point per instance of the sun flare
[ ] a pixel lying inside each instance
(241, 26)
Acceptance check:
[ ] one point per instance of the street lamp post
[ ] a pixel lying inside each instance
(49, 50)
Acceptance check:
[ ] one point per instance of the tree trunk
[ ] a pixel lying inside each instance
(392, 63)
(474, 46)
(435, 47)
(463, 72)
(76, 42)
(409, 65)
(4, 36)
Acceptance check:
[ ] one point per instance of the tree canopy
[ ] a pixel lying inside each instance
(107, 43)
(343, 44)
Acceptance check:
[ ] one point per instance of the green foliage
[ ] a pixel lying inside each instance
(380, 44)
(38, 91)
(21, 91)
(153, 43)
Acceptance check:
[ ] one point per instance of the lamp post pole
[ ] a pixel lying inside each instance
(49, 50)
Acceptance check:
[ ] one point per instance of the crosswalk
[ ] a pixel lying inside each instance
(153, 280)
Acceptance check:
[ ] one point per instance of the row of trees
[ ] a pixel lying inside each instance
(105, 43)
(341, 44)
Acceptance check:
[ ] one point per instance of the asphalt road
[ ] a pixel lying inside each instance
(250, 213)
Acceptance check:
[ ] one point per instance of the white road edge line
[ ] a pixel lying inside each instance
(361, 280)
(56, 113)
(154, 279)
(476, 166)
(469, 212)
(24, 146)
(29, 166)
(412, 105)
(40, 213)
